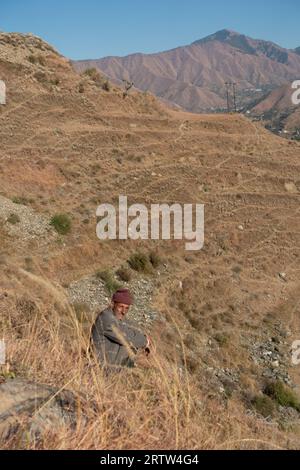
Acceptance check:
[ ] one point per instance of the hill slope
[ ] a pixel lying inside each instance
(278, 110)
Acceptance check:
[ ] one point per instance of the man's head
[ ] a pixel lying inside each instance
(121, 302)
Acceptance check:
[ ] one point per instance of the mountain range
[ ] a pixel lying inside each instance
(194, 76)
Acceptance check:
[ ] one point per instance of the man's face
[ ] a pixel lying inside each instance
(120, 310)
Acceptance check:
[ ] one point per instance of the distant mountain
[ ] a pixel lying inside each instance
(297, 50)
(248, 46)
(194, 76)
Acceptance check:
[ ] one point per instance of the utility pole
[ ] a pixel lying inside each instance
(227, 95)
(234, 96)
(231, 88)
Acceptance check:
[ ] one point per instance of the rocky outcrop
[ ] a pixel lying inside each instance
(31, 409)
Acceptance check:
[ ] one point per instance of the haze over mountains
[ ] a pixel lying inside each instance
(194, 76)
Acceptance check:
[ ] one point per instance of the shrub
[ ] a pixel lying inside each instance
(55, 81)
(222, 339)
(155, 259)
(32, 59)
(61, 223)
(140, 262)
(110, 283)
(90, 71)
(282, 394)
(21, 200)
(106, 86)
(37, 59)
(93, 74)
(13, 219)
(264, 405)
(97, 78)
(237, 269)
(124, 274)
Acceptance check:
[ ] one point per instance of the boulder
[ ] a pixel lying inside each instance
(30, 409)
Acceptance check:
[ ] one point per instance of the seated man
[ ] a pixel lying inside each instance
(115, 340)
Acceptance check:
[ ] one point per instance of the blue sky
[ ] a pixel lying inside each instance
(92, 29)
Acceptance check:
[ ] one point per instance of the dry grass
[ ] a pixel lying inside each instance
(155, 406)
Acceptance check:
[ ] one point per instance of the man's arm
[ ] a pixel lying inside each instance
(119, 331)
(133, 335)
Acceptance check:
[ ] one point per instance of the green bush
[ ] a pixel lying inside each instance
(13, 219)
(264, 405)
(124, 274)
(140, 262)
(155, 259)
(110, 283)
(21, 200)
(90, 71)
(61, 223)
(222, 339)
(93, 74)
(282, 394)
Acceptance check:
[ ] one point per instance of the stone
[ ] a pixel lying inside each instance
(30, 409)
(291, 188)
(275, 364)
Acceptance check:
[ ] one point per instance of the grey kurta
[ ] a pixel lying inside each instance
(115, 341)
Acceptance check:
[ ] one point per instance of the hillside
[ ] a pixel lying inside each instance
(279, 113)
(194, 76)
(223, 319)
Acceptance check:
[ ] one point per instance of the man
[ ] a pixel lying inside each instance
(116, 341)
